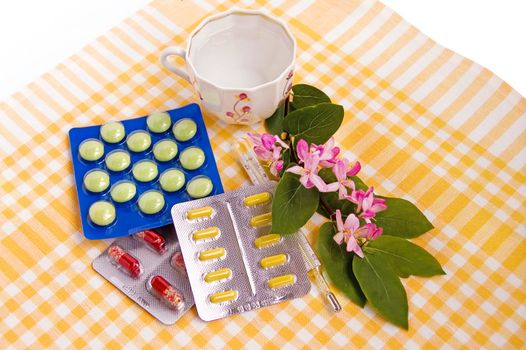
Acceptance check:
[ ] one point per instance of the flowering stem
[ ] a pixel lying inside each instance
(326, 207)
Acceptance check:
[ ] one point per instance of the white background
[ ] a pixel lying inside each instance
(36, 35)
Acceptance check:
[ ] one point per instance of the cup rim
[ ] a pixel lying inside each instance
(248, 12)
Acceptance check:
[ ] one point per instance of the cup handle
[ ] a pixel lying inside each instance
(178, 51)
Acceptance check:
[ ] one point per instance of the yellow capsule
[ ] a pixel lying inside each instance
(223, 296)
(218, 275)
(206, 233)
(281, 281)
(267, 240)
(197, 213)
(211, 254)
(258, 198)
(260, 220)
(273, 260)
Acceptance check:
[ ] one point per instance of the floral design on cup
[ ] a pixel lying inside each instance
(240, 114)
(288, 84)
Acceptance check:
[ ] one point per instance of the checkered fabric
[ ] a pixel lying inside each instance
(429, 125)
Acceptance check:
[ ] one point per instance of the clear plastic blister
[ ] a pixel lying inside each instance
(148, 267)
(234, 262)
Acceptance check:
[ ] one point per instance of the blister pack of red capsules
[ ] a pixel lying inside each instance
(149, 268)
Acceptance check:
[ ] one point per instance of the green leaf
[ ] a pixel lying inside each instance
(338, 264)
(406, 258)
(307, 95)
(402, 218)
(286, 160)
(293, 204)
(274, 124)
(359, 184)
(331, 198)
(381, 286)
(314, 124)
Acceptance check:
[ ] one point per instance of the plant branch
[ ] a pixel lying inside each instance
(327, 208)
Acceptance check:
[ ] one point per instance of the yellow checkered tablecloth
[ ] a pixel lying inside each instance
(428, 124)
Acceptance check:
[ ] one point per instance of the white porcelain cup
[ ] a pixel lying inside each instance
(240, 63)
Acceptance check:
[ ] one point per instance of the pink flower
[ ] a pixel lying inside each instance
(268, 148)
(346, 232)
(246, 109)
(341, 170)
(369, 231)
(327, 152)
(242, 96)
(367, 203)
(309, 177)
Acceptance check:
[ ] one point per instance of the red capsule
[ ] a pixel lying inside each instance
(177, 262)
(163, 290)
(153, 240)
(125, 261)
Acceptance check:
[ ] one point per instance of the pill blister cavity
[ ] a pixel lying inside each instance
(102, 213)
(152, 240)
(184, 129)
(172, 180)
(138, 141)
(273, 261)
(158, 122)
(164, 291)
(177, 262)
(118, 160)
(112, 132)
(145, 171)
(199, 213)
(192, 158)
(281, 281)
(261, 220)
(124, 261)
(91, 150)
(96, 181)
(212, 254)
(199, 187)
(267, 240)
(218, 275)
(165, 150)
(123, 191)
(151, 202)
(257, 199)
(207, 234)
(225, 296)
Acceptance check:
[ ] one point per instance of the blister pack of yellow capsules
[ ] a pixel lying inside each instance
(233, 260)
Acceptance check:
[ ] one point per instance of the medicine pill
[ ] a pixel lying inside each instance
(172, 180)
(212, 254)
(199, 187)
(153, 240)
(165, 150)
(257, 199)
(163, 290)
(267, 240)
(102, 213)
(261, 220)
(205, 234)
(96, 181)
(123, 191)
(112, 132)
(158, 122)
(222, 297)
(198, 213)
(117, 160)
(151, 202)
(281, 281)
(184, 129)
(91, 150)
(138, 141)
(177, 262)
(218, 275)
(125, 261)
(273, 261)
(192, 158)
(145, 171)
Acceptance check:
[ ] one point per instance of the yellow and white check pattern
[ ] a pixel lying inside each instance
(428, 124)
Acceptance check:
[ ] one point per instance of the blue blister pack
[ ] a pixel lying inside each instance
(129, 218)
